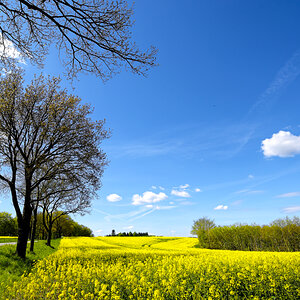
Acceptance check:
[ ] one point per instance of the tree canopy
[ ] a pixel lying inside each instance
(46, 135)
(91, 36)
(8, 225)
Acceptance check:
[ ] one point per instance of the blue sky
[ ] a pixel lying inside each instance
(213, 131)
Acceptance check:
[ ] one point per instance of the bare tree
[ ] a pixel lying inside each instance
(92, 35)
(45, 134)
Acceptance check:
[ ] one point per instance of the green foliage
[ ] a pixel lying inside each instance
(49, 149)
(280, 235)
(8, 225)
(201, 228)
(12, 266)
(62, 226)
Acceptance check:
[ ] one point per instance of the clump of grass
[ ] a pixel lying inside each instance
(13, 267)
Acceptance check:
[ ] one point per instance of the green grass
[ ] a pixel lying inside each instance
(12, 267)
(8, 239)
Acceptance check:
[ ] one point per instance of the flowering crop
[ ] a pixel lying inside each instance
(158, 268)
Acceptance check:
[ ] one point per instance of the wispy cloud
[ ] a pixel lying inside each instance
(154, 187)
(186, 203)
(286, 75)
(183, 194)
(197, 190)
(288, 195)
(291, 209)
(249, 192)
(144, 214)
(189, 142)
(184, 186)
(123, 217)
(236, 203)
(221, 207)
(153, 209)
(128, 227)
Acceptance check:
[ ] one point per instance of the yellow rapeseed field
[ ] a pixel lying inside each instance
(158, 268)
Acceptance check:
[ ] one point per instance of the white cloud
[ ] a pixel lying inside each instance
(148, 197)
(169, 202)
(153, 187)
(113, 198)
(184, 186)
(250, 176)
(282, 144)
(128, 227)
(197, 190)
(221, 207)
(184, 194)
(291, 209)
(161, 188)
(7, 49)
(149, 205)
(287, 195)
(164, 207)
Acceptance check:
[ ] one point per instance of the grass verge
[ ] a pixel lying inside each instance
(8, 239)
(12, 267)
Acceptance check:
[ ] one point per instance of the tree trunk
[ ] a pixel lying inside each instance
(49, 235)
(23, 231)
(33, 228)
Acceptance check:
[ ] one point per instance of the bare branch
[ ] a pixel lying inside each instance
(91, 36)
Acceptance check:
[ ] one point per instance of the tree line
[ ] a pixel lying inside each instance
(63, 226)
(113, 233)
(279, 235)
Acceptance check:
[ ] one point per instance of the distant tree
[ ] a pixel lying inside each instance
(8, 225)
(93, 35)
(280, 235)
(81, 230)
(45, 135)
(201, 227)
(286, 221)
(61, 197)
(63, 226)
(130, 234)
